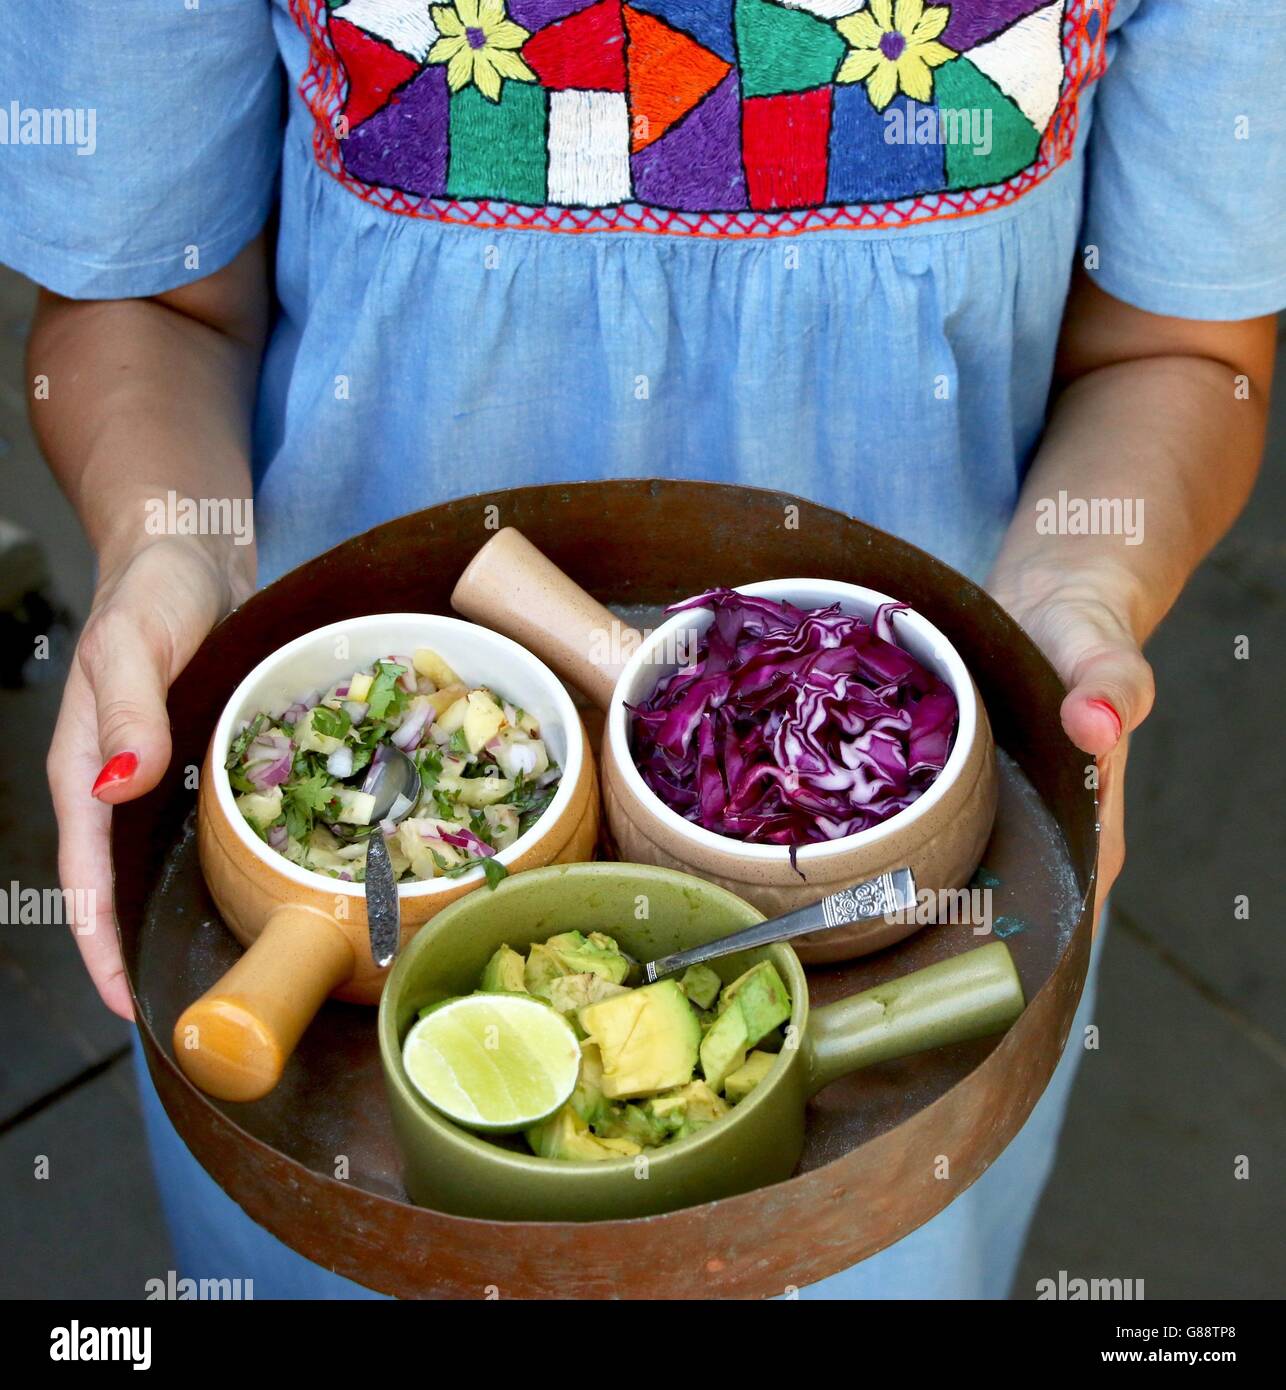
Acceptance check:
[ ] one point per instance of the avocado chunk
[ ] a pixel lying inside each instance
(633, 1122)
(724, 1047)
(587, 1099)
(571, 993)
(748, 1075)
(572, 953)
(762, 999)
(687, 1109)
(594, 955)
(504, 973)
(542, 967)
(565, 1135)
(648, 1038)
(701, 985)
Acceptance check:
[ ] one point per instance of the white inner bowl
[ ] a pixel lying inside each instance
(320, 658)
(654, 660)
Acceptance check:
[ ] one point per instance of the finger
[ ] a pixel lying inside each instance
(84, 852)
(127, 669)
(1111, 821)
(1111, 692)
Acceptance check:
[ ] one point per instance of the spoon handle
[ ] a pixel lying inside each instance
(383, 910)
(885, 894)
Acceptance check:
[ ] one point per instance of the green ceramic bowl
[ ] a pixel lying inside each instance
(652, 911)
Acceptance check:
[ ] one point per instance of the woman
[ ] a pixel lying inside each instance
(825, 245)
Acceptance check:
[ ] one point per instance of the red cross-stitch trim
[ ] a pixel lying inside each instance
(322, 88)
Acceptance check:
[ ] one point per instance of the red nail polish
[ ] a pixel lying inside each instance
(1108, 708)
(118, 768)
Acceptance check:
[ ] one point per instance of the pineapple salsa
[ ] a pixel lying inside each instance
(658, 1062)
(302, 776)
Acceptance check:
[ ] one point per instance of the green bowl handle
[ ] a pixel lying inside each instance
(969, 996)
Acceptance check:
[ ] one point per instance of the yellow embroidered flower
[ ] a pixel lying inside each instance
(479, 44)
(894, 48)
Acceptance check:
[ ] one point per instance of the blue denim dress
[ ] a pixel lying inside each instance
(818, 245)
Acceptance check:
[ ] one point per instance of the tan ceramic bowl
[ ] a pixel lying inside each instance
(307, 932)
(940, 837)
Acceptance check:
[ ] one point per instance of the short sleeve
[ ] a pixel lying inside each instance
(1186, 191)
(139, 143)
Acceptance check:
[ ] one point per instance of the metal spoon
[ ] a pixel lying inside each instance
(886, 894)
(393, 776)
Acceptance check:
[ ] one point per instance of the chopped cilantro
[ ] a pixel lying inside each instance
(384, 689)
(331, 723)
(303, 800)
(243, 740)
(493, 871)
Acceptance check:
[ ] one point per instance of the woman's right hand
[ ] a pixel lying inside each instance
(151, 612)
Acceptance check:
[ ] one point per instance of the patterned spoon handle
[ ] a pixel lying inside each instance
(885, 895)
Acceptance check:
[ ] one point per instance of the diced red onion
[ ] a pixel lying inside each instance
(467, 840)
(277, 836)
(523, 756)
(340, 762)
(268, 761)
(407, 734)
(356, 710)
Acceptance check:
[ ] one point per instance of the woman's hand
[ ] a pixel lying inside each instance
(112, 743)
(1082, 624)
(1166, 415)
(147, 397)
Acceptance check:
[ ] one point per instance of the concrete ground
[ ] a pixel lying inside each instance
(1186, 1092)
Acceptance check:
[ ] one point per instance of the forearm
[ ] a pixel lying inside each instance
(136, 399)
(1170, 420)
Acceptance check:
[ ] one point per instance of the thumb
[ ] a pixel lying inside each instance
(1111, 691)
(129, 675)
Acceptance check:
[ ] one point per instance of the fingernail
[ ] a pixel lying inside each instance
(1109, 710)
(120, 767)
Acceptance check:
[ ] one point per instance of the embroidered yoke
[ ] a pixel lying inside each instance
(708, 117)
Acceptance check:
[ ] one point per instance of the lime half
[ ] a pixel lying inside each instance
(494, 1062)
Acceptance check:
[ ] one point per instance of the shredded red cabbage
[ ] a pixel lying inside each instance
(793, 726)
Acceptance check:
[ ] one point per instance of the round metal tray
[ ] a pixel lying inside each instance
(315, 1162)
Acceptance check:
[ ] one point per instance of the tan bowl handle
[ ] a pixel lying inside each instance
(234, 1041)
(511, 587)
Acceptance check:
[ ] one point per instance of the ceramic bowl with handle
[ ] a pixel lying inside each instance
(307, 932)
(651, 912)
(941, 836)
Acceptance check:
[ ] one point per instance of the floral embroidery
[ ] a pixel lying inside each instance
(478, 46)
(716, 117)
(894, 50)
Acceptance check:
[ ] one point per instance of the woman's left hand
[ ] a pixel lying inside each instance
(1081, 623)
